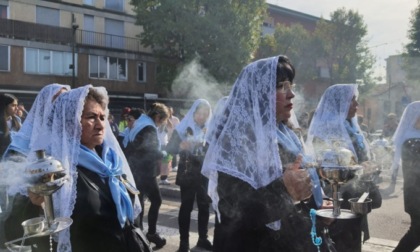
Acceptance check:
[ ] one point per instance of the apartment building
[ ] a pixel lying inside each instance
(41, 41)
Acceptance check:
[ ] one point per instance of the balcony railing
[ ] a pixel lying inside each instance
(60, 35)
(36, 32)
(104, 40)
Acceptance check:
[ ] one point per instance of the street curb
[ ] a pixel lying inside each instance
(378, 244)
(170, 191)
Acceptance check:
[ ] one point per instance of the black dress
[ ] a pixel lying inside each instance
(245, 211)
(410, 155)
(95, 223)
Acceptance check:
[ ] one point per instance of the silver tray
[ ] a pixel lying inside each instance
(350, 167)
(344, 214)
(60, 224)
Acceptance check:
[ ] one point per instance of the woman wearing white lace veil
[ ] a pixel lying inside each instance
(33, 132)
(250, 186)
(188, 140)
(82, 140)
(22, 149)
(336, 103)
(334, 124)
(407, 150)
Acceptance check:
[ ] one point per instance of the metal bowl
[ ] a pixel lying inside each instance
(33, 226)
(360, 208)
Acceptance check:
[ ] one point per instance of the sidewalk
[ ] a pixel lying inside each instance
(372, 245)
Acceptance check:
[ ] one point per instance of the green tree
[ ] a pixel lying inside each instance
(297, 43)
(222, 33)
(412, 49)
(344, 48)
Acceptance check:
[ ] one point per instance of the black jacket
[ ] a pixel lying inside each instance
(410, 155)
(95, 223)
(190, 164)
(143, 154)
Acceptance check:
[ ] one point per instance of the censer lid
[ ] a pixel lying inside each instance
(340, 157)
(44, 165)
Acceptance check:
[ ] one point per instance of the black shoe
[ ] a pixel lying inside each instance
(184, 247)
(156, 239)
(204, 244)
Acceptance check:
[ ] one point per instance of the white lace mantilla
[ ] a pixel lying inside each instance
(329, 121)
(244, 143)
(188, 122)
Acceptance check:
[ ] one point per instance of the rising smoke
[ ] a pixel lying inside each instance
(194, 81)
(13, 177)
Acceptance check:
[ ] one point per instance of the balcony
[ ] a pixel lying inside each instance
(35, 32)
(59, 35)
(107, 41)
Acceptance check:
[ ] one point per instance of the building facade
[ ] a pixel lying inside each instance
(77, 42)
(41, 41)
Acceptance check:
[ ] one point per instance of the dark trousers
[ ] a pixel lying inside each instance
(175, 160)
(411, 239)
(188, 195)
(150, 188)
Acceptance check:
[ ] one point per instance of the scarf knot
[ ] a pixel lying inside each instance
(109, 167)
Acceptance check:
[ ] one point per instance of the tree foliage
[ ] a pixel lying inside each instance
(297, 43)
(412, 49)
(344, 47)
(338, 45)
(222, 33)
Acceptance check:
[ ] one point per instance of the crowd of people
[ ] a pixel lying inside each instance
(252, 161)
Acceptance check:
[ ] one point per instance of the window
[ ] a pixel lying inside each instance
(141, 72)
(89, 2)
(88, 36)
(103, 67)
(3, 11)
(4, 58)
(117, 5)
(47, 16)
(114, 30)
(38, 61)
(323, 72)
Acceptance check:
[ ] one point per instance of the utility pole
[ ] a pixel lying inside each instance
(74, 27)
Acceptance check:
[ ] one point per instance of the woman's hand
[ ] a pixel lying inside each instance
(297, 181)
(36, 199)
(327, 204)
